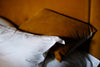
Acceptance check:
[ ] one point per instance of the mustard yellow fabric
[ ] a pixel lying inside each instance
(48, 22)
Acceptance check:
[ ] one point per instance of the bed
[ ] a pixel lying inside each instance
(24, 49)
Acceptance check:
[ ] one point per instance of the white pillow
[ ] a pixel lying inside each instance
(5, 22)
(19, 49)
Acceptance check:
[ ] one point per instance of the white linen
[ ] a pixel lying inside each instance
(19, 49)
(95, 61)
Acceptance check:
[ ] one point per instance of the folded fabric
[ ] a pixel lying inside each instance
(20, 49)
(49, 22)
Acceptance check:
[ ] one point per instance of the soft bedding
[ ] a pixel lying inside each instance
(49, 22)
(20, 49)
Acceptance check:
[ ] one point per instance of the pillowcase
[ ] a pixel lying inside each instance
(49, 22)
(5, 22)
(20, 49)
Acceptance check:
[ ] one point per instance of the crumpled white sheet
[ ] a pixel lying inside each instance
(20, 49)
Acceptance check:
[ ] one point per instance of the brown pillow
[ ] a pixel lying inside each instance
(48, 22)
